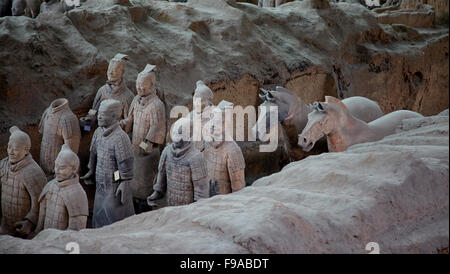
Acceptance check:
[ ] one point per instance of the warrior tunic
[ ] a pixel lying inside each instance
(147, 119)
(120, 93)
(22, 184)
(58, 126)
(111, 151)
(60, 203)
(226, 167)
(182, 174)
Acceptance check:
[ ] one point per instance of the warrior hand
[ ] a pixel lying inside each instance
(23, 227)
(123, 191)
(123, 123)
(86, 178)
(156, 195)
(149, 147)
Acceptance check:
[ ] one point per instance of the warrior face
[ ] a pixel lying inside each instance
(115, 70)
(109, 112)
(145, 84)
(19, 145)
(66, 164)
(16, 150)
(65, 167)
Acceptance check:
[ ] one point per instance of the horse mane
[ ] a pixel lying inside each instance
(331, 99)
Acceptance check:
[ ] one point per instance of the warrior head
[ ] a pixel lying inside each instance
(19, 145)
(116, 68)
(181, 132)
(146, 81)
(109, 112)
(66, 164)
(203, 96)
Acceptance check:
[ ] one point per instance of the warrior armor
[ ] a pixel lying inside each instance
(62, 204)
(22, 184)
(226, 167)
(59, 126)
(182, 173)
(110, 153)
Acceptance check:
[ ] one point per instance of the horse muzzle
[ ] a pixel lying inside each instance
(305, 143)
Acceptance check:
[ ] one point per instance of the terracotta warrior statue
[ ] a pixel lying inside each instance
(114, 88)
(202, 106)
(63, 202)
(21, 181)
(224, 158)
(147, 120)
(182, 172)
(111, 162)
(58, 126)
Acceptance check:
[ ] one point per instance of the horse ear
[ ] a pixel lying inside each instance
(262, 94)
(331, 99)
(270, 96)
(320, 107)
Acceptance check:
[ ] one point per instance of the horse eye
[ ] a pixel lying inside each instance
(320, 107)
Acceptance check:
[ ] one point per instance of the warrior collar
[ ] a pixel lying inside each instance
(59, 104)
(108, 131)
(116, 89)
(179, 153)
(68, 182)
(145, 100)
(20, 164)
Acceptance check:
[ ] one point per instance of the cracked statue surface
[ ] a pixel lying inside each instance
(21, 181)
(58, 126)
(114, 88)
(63, 203)
(147, 121)
(111, 164)
(182, 171)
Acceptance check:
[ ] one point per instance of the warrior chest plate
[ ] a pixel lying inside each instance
(180, 190)
(56, 215)
(143, 119)
(216, 161)
(15, 199)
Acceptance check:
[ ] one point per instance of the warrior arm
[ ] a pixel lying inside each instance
(157, 131)
(97, 99)
(236, 167)
(34, 185)
(93, 151)
(42, 210)
(124, 158)
(3, 167)
(76, 203)
(77, 222)
(127, 122)
(161, 181)
(199, 177)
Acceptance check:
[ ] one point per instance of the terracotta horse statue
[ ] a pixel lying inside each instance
(334, 120)
(293, 116)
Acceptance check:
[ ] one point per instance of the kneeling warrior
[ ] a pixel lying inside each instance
(22, 181)
(63, 203)
(182, 169)
(111, 160)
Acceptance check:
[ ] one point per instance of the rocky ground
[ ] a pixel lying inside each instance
(393, 192)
